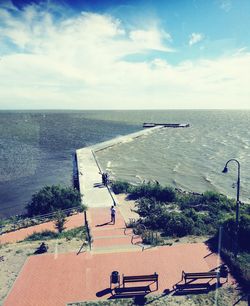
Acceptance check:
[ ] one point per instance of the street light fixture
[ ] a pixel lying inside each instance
(225, 170)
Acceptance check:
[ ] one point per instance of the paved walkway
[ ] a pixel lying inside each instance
(94, 194)
(56, 280)
(19, 235)
(109, 237)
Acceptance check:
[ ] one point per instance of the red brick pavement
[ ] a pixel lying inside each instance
(72, 222)
(106, 234)
(48, 280)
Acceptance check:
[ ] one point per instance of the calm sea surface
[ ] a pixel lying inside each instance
(36, 150)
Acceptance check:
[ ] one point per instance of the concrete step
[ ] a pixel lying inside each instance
(111, 241)
(116, 249)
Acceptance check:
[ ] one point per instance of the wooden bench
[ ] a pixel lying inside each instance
(153, 278)
(200, 275)
(192, 287)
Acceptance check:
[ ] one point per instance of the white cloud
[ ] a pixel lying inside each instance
(79, 63)
(226, 5)
(150, 39)
(194, 38)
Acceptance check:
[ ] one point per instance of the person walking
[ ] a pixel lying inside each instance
(113, 212)
(104, 179)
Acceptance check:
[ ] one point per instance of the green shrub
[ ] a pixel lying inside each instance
(178, 225)
(52, 198)
(78, 232)
(200, 227)
(209, 201)
(239, 267)
(44, 235)
(120, 187)
(229, 228)
(60, 220)
(153, 190)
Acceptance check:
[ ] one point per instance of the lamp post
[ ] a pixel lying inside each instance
(225, 170)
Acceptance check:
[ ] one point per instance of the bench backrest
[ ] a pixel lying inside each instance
(201, 274)
(140, 278)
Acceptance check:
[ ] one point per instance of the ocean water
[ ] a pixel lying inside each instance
(188, 158)
(36, 150)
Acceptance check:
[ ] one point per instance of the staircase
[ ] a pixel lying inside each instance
(108, 237)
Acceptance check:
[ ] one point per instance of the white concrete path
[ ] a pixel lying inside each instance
(94, 194)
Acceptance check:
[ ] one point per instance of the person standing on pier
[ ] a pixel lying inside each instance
(113, 212)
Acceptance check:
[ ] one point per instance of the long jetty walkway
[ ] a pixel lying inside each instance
(106, 237)
(94, 194)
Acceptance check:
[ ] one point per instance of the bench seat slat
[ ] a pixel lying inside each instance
(138, 279)
(132, 289)
(202, 273)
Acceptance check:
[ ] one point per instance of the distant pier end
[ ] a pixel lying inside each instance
(171, 125)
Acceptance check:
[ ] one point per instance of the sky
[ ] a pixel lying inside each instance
(130, 54)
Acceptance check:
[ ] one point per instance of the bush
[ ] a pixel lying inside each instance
(229, 227)
(44, 235)
(52, 198)
(200, 226)
(78, 232)
(178, 225)
(60, 220)
(153, 190)
(120, 187)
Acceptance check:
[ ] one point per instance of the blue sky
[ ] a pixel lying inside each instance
(124, 54)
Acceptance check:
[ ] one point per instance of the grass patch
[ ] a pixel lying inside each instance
(78, 232)
(223, 297)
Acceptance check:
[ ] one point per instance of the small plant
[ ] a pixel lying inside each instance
(120, 187)
(60, 220)
(78, 232)
(45, 235)
(19, 251)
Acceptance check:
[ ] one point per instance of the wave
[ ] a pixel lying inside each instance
(176, 167)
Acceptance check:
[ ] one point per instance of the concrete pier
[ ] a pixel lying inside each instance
(94, 193)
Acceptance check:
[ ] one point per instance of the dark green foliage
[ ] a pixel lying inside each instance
(240, 265)
(45, 235)
(52, 198)
(146, 190)
(244, 232)
(210, 201)
(120, 187)
(229, 227)
(152, 212)
(178, 225)
(153, 190)
(197, 214)
(200, 222)
(78, 232)
(60, 220)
